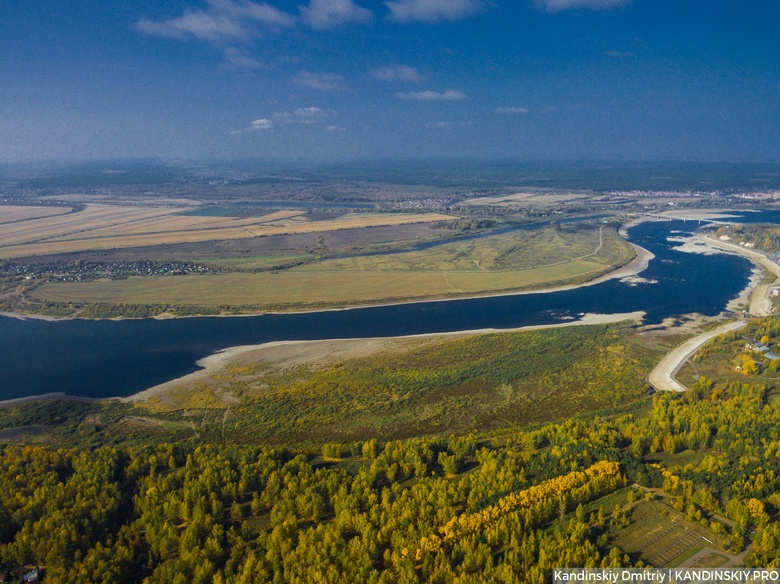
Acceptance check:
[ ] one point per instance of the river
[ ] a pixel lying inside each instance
(118, 358)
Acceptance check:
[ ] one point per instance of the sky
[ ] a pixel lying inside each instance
(691, 80)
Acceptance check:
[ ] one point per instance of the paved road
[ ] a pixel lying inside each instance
(662, 377)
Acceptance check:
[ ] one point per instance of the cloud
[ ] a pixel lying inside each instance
(261, 125)
(335, 128)
(397, 73)
(512, 110)
(446, 125)
(302, 116)
(323, 14)
(431, 10)
(449, 95)
(237, 60)
(222, 21)
(558, 5)
(321, 81)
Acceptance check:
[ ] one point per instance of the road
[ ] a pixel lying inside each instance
(662, 377)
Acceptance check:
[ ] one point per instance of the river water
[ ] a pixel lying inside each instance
(118, 358)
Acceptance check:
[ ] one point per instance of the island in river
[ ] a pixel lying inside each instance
(94, 358)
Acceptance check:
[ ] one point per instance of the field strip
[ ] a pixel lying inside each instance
(97, 231)
(146, 230)
(92, 218)
(21, 246)
(178, 223)
(18, 213)
(291, 288)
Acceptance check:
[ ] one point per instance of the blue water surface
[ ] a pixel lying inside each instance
(118, 358)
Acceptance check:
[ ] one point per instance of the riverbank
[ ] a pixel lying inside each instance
(638, 264)
(199, 337)
(662, 377)
(760, 304)
(630, 269)
(42, 397)
(293, 353)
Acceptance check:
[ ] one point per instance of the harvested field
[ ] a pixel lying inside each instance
(662, 536)
(527, 199)
(14, 213)
(106, 227)
(369, 239)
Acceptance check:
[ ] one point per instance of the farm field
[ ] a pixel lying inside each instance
(506, 262)
(663, 537)
(100, 227)
(14, 213)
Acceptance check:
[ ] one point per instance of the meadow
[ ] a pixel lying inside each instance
(413, 387)
(499, 263)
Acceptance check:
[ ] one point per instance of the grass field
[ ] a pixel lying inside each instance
(109, 227)
(492, 264)
(662, 536)
(411, 387)
(518, 250)
(264, 262)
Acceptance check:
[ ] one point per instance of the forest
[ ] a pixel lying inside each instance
(500, 504)
(763, 237)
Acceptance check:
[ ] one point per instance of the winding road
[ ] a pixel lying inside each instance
(662, 377)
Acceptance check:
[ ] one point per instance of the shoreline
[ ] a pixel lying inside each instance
(43, 397)
(632, 268)
(214, 362)
(219, 359)
(760, 304)
(637, 265)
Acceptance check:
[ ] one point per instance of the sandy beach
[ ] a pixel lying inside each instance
(290, 353)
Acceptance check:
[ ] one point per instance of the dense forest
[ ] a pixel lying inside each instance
(501, 505)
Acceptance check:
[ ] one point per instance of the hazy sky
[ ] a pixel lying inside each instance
(619, 79)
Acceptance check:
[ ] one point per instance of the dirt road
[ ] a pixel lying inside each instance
(662, 377)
